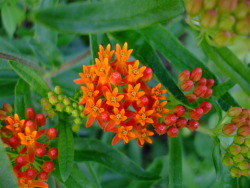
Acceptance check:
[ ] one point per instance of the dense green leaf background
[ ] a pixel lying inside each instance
(44, 43)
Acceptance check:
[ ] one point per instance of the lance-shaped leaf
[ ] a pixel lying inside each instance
(108, 16)
(95, 150)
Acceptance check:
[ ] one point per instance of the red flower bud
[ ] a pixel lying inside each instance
(206, 106)
(31, 173)
(43, 176)
(51, 133)
(147, 75)
(234, 111)
(179, 110)
(40, 119)
(31, 124)
(30, 113)
(208, 93)
(53, 153)
(239, 121)
(196, 74)
(245, 113)
(200, 91)
(170, 119)
(244, 131)
(2, 115)
(229, 129)
(197, 113)
(187, 85)
(210, 83)
(209, 19)
(48, 166)
(7, 108)
(202, 82)
(160, 128)
(184, 75)
(181, 122)
(192, 125)
(115, 78)
(40, 151)
(143, 101)
(172, 131)
(22, 160)
(191, 97)
(105, 116)
(14, 142)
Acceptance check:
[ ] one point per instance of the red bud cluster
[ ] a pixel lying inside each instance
(5, 110)
(20, 135)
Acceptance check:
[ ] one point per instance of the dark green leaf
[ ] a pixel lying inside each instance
(175, 162)
(217, 158)
(7, 177)
(8, 19)
(22, 98)
(31, 77)
(99, 17)
(151, 59)
(228, 63)
(65, 150)
(95, 150)
(223, 88)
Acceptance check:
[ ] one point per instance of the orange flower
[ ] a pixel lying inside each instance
(134, 93)
(159, 108)
(25, 183)
(15, 124)
(117, 118)
(94, 111)
(89, 93)
(87, 76)
(113, 99)
(29, 140)
(125, 133)
(122, 55)
(157, 93)
(143, 135)
(142, 116)
(102, 67)
(134, 73)
(105, 53)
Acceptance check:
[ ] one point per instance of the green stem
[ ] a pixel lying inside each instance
(97, 182)
(206, 131)
(217, 128)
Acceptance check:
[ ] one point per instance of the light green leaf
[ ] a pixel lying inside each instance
(175, 162)
(217, 158)
(7, 177)
(9, 19)
(223, 88)
(100, 17)
(95, 150)
(31, 77)
(22, 98)
(65, 150)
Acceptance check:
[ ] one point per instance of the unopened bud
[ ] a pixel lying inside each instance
(247, 142)
(227, 22)
(160, 128)
(7, 108)
(229, 129)
(200, 91)
(181, 122)
(243, 26)
(244, 149)
(202, 82)
(234, 149)
(184, 75)
(227, 5)
(170, 119)
(2, 115)
(209, 4)
(223, 38)
(196, 114)
(53, 99)
(245, 113)
(234, 111)
(191, 97)
(239, 121)
(51, 114)
(208, 93)
(59, 107)
(115, 78)
(239, 140)
(76, 128)
(142, 101)
(172, 131)
(179, 110)
(194, 7)
(66, 101)
(242, 10)
(68, 109)
(246, 172)
(209, 19)
(58, 90)
(196, 74)
(77, 121)
(244, 130)
(238, 158)
(227, 161)
(60, 98)
(235, 172)
(192, 125)
(187, 85)
(206, 106)
(210, 83)
(147, 75)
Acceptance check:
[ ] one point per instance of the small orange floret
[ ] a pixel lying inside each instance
(26, 183)
(157, 93)
(134, 72)
(143, 135)
(87, 76)
(159, 109)
(113, 98)
(105, 53)
(102, 67)
(142, 116)
(124, 133)
(15, 124)
(89, 93)
(134, 93)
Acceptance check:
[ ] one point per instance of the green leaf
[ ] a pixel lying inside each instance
(65, 150)
(95, 150)
(223, 88)
(31, 77)
(175, 162)
(228, 63)
(100, 17)
(151, 59)
(22, 98)
(9, 19)
(75, 179)
(7, 177)
(217, 158)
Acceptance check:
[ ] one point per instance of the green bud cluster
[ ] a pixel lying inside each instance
(221, 20)
(56, 102)
(237, 157)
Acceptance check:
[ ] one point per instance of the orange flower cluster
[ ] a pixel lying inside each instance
(237, 155)
(21, 136)
(116, 94)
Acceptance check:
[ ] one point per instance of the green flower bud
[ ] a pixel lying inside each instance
(76, 128)
(51, 114)
(235, 172)
(238, 158)
(53, 99)
(244, 149)
(222, 38)
(68, 109)
(82, 116)
(58, 90)
(246, 172)
(242, 9)
(209, 19)
(248, 154)
(75, 105)
(60, 98)
(243, 26)
(81, 107)
(247, 142)
(209, 4)
(46, 106)
(66, 101)
(234, 149)
(239, 140)
(59, 107)
(78, 121)
(227, 161)
(244, 165)
(50, 94)
(226, 6)
(227, 23)
(194, 7)
(75, 113)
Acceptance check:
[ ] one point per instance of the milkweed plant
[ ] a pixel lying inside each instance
(135, 93)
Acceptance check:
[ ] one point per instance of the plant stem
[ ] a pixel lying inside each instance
(97, 182)
(206, 131)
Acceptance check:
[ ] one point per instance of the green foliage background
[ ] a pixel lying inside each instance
(44, 43)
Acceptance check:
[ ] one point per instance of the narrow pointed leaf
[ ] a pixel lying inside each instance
(7, 177)
(30, 76)
(217, 159)
(65, 150)
(95, 150)
(108, 16)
